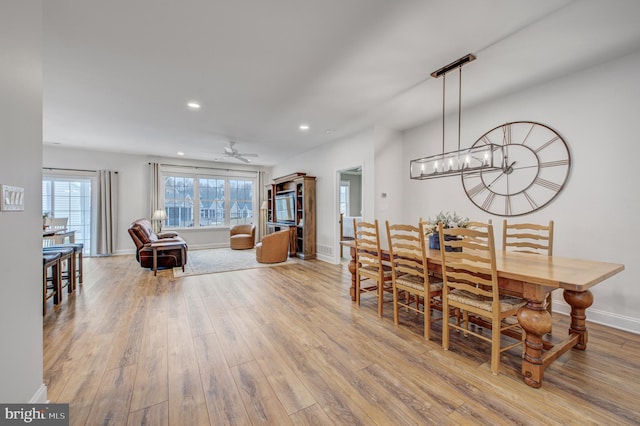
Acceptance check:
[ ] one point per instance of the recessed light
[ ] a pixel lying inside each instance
(303, 127)
(180, 153)
(193, 105)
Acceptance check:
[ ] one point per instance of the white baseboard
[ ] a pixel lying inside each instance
(610, 319)
(325, 258)
(124, 252)
(40, 397)
(208, 246)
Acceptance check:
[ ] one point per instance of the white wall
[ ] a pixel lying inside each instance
(20, 254)
(596, 112)
(324, 163)
(390, 174)
(134, 201)
(379, 151)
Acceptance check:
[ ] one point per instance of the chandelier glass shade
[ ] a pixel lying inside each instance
(468, 160)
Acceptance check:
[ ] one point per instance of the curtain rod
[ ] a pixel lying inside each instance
(207, 168)
(70, 170)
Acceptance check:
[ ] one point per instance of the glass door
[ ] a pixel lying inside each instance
(70, 197)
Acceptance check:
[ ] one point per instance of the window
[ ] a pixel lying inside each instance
(205, 200)
(241, 193)
(178, 199)
(344, 197)
(70, 197)
(211, 201)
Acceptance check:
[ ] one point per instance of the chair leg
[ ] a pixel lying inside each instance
(72, 274)
(445, 325)
(80, 266)
(427, 315)
(395, 306)
(495, 346)
(380, 296)
(465, 320)
(56, 282)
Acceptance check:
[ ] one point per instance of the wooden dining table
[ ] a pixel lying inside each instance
(532, 277)
(60, 234)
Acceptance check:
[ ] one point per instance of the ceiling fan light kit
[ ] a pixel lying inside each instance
(231, 152)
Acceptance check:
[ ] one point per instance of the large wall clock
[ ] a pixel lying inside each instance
(534, 164)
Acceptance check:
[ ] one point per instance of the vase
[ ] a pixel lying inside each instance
(434, 242)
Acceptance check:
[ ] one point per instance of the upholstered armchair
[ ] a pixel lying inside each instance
(162, 250)
(273, 248)
(242, 236)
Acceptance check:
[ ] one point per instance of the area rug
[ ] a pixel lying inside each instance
(200, 262)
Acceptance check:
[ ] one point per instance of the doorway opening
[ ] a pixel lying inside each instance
(349, 205)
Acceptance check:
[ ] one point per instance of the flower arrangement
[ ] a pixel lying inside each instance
(448, 221)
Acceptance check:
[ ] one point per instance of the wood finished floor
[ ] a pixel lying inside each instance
(285, 345)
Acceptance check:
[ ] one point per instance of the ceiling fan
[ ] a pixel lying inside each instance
(231, 152)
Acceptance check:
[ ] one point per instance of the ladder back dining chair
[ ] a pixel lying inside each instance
(369, 262)
(470, 285)
(410, 275)
(529, 238)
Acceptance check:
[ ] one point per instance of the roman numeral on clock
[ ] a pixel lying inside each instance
(488, 201)
(476, 190)
(547, 184)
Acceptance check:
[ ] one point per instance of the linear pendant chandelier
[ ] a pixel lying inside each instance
(467, 160)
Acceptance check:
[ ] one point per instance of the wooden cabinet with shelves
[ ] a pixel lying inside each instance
(291, 202)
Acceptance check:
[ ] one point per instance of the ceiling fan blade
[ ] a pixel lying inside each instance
(244, 160)
(247, 155)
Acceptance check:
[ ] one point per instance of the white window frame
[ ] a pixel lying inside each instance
(73, 175)
(345, 184)
(198, 173)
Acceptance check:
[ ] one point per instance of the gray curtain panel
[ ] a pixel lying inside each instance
(107, 212)
(155, 188)
(262, 219)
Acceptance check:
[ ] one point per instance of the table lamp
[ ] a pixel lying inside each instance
(159, 216)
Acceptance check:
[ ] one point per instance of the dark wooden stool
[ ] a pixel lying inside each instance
(51, 261)
(66, 255)
(77, 250)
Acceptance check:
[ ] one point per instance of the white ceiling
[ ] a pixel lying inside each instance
(118, 73)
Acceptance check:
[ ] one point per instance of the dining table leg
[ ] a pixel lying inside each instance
(352, 269)
(579, 302)
(536, 321)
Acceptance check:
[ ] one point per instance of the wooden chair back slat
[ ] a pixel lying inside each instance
(528, 237)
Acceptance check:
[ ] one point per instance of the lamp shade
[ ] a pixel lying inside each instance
(159, 215)
(264, 205)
